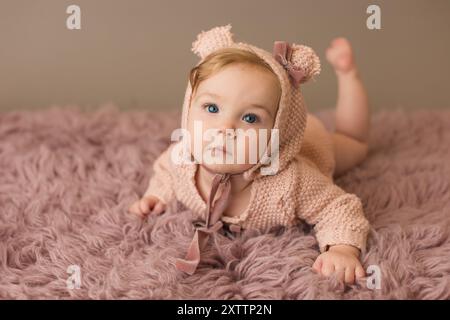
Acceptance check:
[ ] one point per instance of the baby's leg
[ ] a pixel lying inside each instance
(352, 117)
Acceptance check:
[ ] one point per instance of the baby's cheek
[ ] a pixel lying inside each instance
(262, 140)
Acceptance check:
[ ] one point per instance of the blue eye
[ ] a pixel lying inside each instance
(212, 108)
(250, 118)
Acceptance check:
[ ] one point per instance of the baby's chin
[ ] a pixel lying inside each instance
(227, 168)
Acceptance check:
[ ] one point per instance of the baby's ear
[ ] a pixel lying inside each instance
(212, 40)
(306, 59)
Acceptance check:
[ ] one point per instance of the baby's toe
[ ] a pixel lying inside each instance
(340, 43)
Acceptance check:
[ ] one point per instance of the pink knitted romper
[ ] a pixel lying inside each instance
(303, 186)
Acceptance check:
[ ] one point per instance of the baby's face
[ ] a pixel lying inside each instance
(242, 98)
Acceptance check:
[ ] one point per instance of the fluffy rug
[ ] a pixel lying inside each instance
(67, 178)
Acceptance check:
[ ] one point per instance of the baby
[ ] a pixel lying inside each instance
(237, 88)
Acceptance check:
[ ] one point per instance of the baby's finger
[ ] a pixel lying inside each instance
(359, 272)
(340, 273)
(134, 208)
(327, 269)
(317, 266)
(144, 206)
(159, 208)
(350, 275)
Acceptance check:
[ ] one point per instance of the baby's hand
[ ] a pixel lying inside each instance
(342, 259)
(147, 204)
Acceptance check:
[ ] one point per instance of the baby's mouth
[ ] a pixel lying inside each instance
(218, 150)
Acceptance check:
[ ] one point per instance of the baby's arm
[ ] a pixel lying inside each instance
(160, 183)
(159, 191)
(338, 219)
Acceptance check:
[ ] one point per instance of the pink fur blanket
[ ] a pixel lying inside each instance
(67, 179)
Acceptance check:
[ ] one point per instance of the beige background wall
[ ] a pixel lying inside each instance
(137, 53)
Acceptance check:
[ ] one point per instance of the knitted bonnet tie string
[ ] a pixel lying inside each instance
(213, 224)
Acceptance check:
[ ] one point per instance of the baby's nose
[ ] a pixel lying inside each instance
(228, 132)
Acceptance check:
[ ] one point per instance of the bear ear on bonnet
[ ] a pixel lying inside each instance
(300, 61)
(307, 60)
(212, 40)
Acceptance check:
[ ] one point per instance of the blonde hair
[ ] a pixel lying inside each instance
(217, 60)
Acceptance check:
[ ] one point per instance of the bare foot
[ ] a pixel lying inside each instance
(339, 54)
